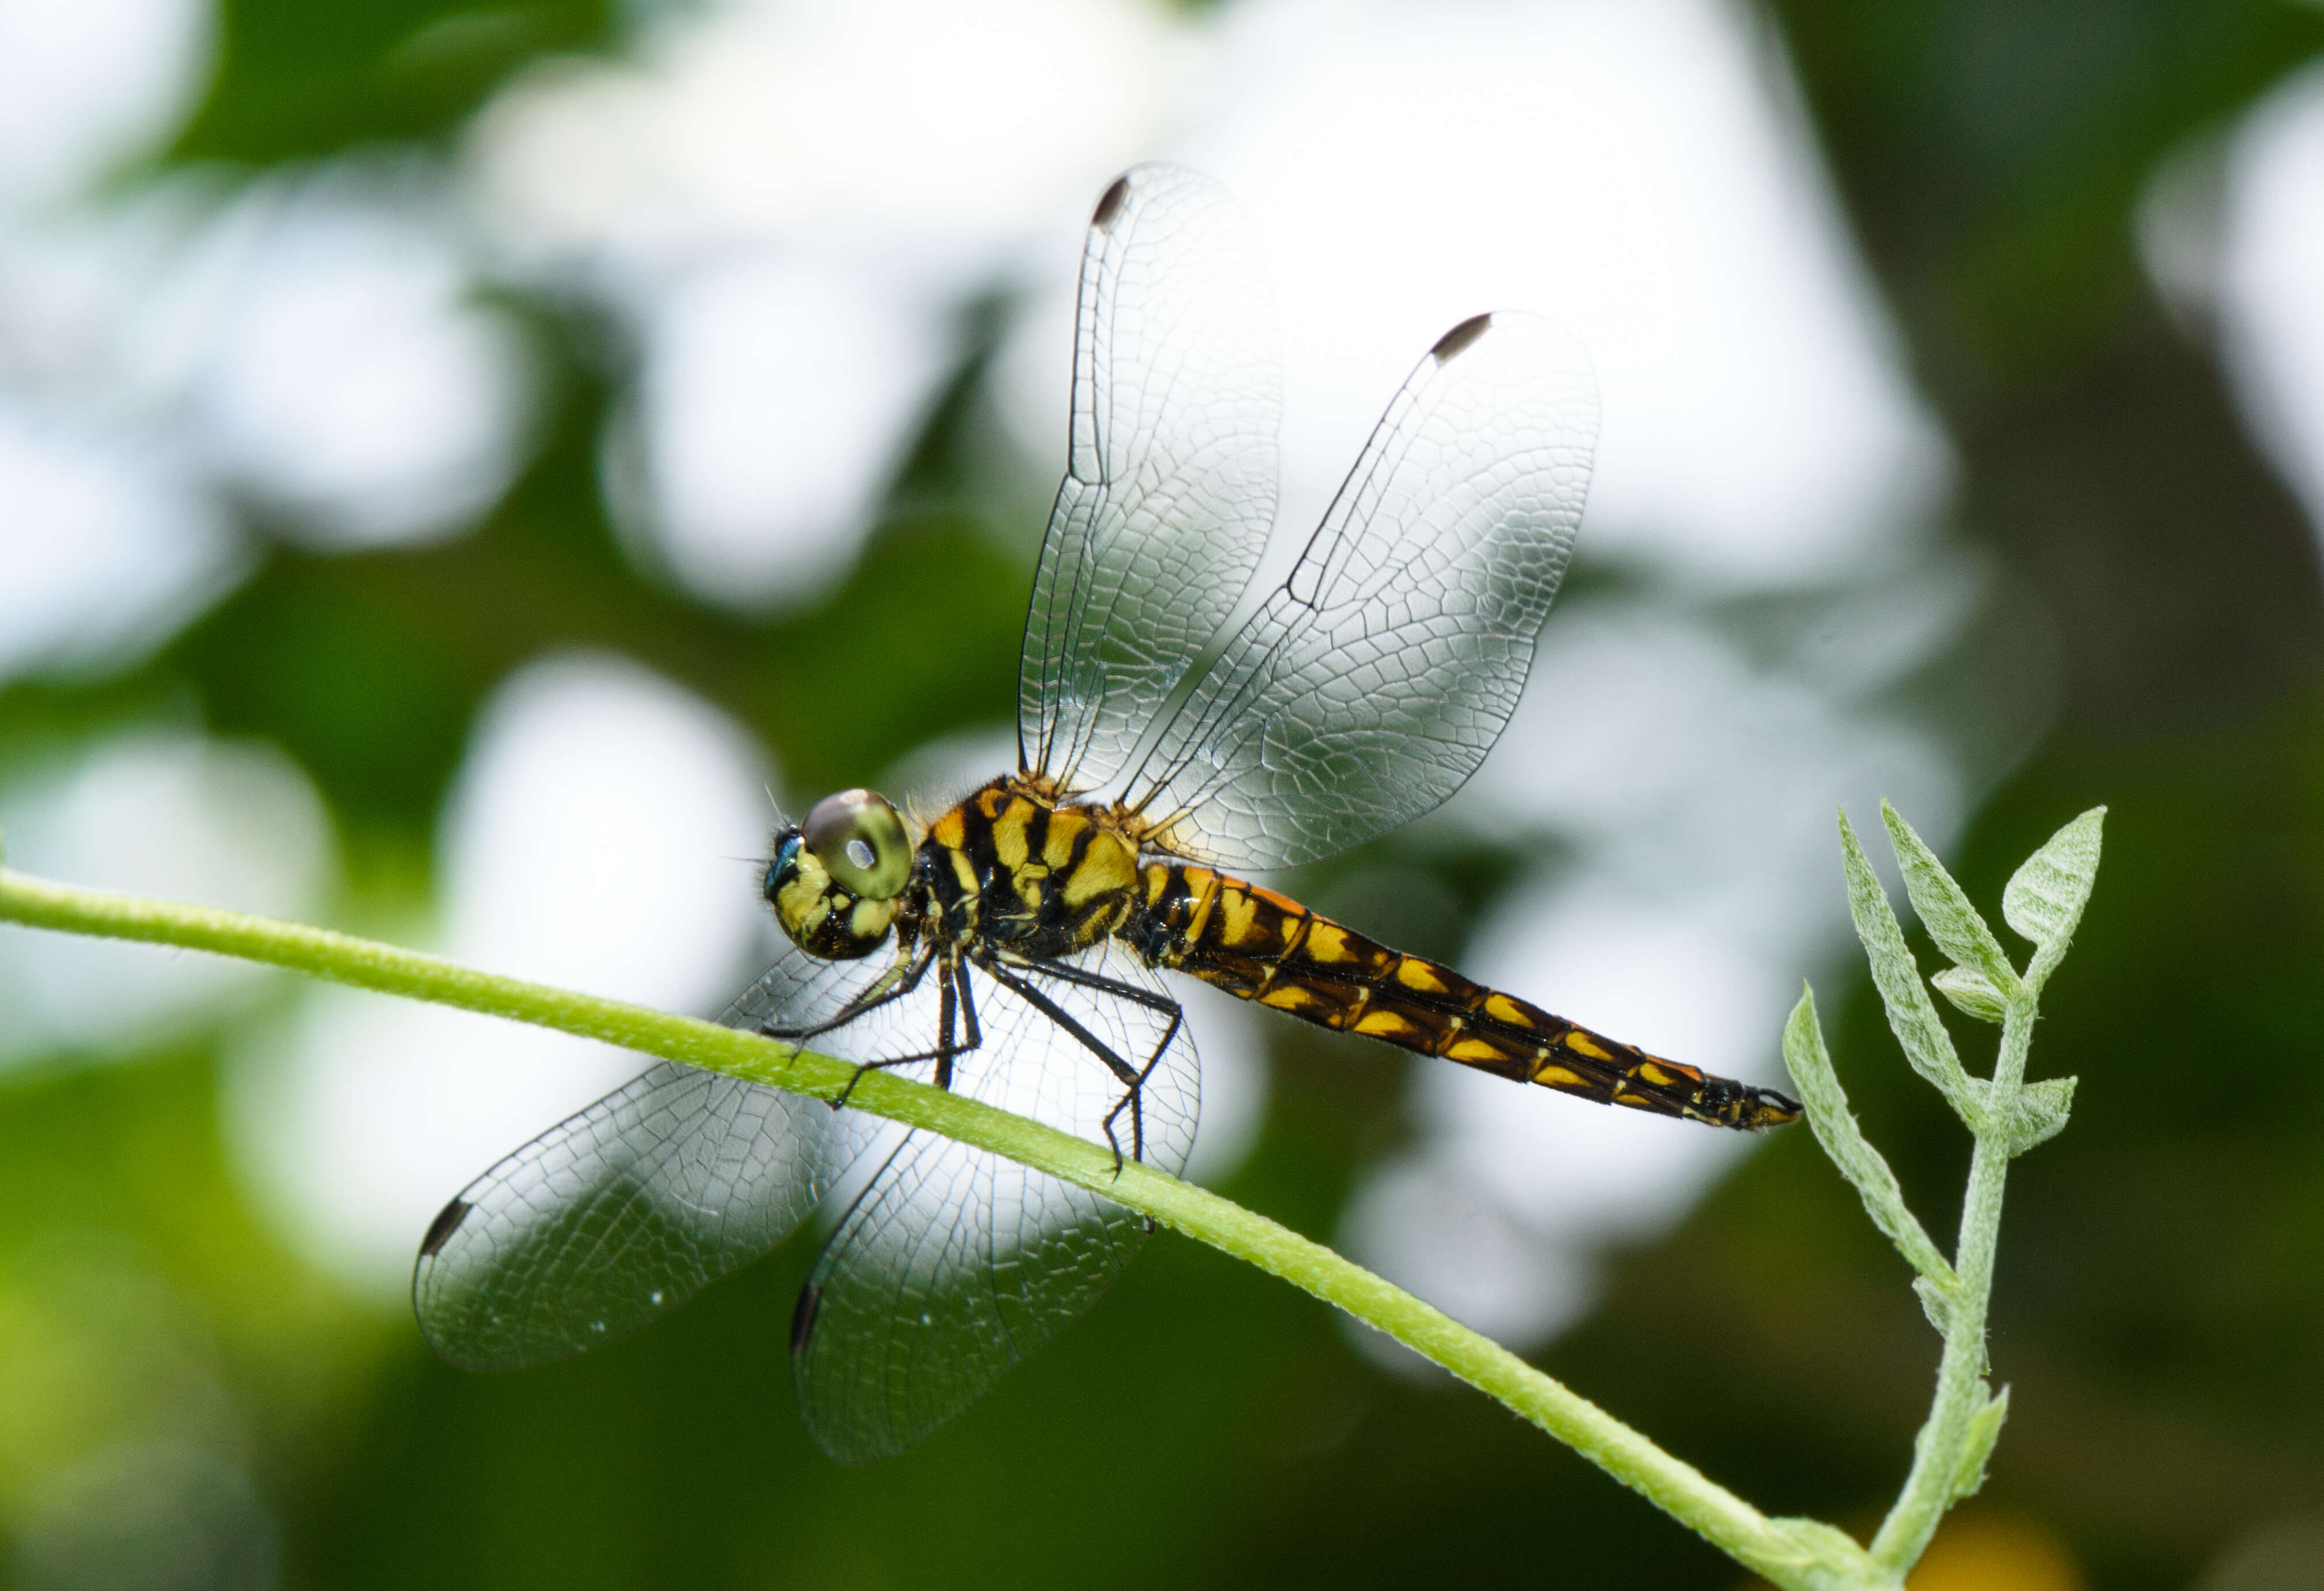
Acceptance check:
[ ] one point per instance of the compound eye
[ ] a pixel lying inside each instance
(861, 843)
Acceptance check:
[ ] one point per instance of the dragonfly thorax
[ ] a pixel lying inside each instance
(1018, 869)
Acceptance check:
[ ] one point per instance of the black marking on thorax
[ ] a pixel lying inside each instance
(1023, 905)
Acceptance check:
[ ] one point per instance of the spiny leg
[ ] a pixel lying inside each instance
(940, 1056)
(1098, 980)
(974, 1035)
(870, 1001)
(1135, 1100)
(1132, 1078)
(945, 1049)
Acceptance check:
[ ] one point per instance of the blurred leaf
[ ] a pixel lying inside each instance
(920, 642)
(1993, 153)
(298, 81)
(140, 1298)
(320, 657)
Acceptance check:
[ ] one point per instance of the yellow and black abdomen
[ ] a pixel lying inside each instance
(1259, 945)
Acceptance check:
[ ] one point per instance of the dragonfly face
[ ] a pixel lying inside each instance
(836, 881)
(1029, 935)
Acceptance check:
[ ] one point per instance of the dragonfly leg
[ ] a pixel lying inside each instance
(1135, 1100)
(1112, 986)
(945, 1049)
(887, 987)
(972, 1035)
(1133, 1078)
(1097, 980)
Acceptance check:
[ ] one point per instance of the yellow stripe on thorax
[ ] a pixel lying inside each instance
(1009, 826)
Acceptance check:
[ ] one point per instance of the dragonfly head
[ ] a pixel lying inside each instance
(837, 880)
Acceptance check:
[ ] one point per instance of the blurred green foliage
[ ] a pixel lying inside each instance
(300, 80)
(2161, 1311)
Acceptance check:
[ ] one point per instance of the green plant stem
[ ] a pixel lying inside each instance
(1939, 1452)
(1800, 1555)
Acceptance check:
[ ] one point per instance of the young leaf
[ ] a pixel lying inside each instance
(1844, 1143)
(2041, 1114)
(2043, 899)
(1912, 1015)
(1972, 992)
(1934, 1304)
(1956, 925)
(1977, 1444)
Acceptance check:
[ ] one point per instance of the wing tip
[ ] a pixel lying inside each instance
(1460, 337)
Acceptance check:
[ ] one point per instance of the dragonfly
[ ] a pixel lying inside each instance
(1172, 735)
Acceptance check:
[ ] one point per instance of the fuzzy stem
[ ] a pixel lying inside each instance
(1938, 1453)
(1799, 1555)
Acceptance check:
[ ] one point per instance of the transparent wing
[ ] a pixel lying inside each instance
(1170, 479)
(952, 1265)
(625, 1211)
(1370, 685)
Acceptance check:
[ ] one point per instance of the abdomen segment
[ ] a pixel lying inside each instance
(1259, 945)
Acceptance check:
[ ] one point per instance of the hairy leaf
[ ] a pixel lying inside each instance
(1959, 929)
(1935, 1304)
(2041, 1113)
(1976, 1446)
(2044, 899)
(1845, 1143)
(1972, 992)
(1912, 1015)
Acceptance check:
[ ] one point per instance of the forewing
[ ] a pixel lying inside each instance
(1368, 687)
(954, 1264)
(623, 1211)
(1170, 479)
